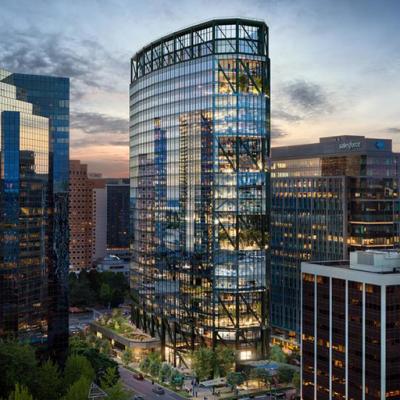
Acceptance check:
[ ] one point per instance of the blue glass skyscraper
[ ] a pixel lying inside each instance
(48, 97)
(199, 150)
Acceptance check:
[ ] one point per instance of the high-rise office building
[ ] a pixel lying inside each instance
(99, 218)
(350, 327)
(80, 216)
(87, 215)
(199, 151)
(117, 214)
(328, 198)
(35, 154)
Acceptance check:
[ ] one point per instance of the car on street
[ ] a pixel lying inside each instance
(138, 376)
(158, 390)
(138, 397)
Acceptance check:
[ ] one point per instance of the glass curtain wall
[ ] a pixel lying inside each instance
(199, 148)
(50, 98)
(322, 208)
(24, 169)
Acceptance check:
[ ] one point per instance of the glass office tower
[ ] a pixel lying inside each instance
(49, 97)
(328, 198)
(199, 150)
(117, 214)
(24, 173)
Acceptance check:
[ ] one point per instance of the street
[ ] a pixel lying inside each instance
(144, 388)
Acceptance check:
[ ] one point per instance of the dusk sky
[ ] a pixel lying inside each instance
(335, 63)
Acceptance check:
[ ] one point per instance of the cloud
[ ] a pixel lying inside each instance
(103, 141)
(86, 62)
(99, 130)
(308, 97)
(90, 123)
(392, 130)
(286, 116)
(277, 132)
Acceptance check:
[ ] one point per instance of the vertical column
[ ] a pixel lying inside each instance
(363, 341)
(315, 335)
(330, 338)
(383, 342)
(301, 335)
(347, 341)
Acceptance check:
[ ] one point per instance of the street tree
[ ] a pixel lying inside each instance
(224, 361)
(20, 393)
(277, 354)
(203, 363)
(77, 367)
(285, 374)
(234, 379)
(126, 356)
(49, 383)
(79, 390)
(18, 364)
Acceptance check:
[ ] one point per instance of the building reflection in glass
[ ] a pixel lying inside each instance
(199, 143)
(34, 148)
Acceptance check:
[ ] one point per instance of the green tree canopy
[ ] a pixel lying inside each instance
(18, 364)
(285, 374)
(154, 368)
(117, 392)
(99, 361)
(110, 378)
(105, 294)
(260, 374)
(224, 360)
(277, 354)
(126, 356)
(79, 390)
(203, 363)
(176, 378)
(90, 288)
(208, 363)
(20, 393)
(165, 372)
(80, 292)
(77, 367)
(296, 380)
(144, 365)
(235, 379)
(48, 383)
(151, 364)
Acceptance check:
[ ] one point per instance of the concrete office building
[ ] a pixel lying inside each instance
(99, 216)
(80, 216)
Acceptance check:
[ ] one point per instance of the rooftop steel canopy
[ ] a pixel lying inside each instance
(217, 36)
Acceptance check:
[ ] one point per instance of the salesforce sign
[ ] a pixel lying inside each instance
(349, 146)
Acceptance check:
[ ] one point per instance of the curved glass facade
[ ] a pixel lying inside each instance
(199, 150)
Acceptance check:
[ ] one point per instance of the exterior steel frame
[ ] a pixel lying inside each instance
(169, 331)
(137, 61)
